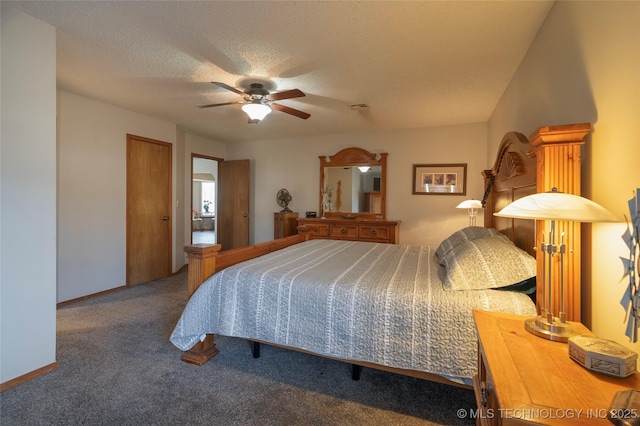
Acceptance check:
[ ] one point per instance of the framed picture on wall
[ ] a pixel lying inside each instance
(440, 179)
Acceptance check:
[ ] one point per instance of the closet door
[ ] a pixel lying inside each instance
(148, 210)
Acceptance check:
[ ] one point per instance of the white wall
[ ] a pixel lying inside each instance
(92, 191)
(583, 67)
(425, 219)
(27, 195)
(181, 209)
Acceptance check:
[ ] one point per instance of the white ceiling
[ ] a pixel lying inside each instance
(415, 64)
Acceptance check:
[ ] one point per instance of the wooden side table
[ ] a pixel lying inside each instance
(525, 379)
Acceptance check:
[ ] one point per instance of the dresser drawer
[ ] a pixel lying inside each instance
(374, 233)
(485, 395)
(319, 230)
(344, 231)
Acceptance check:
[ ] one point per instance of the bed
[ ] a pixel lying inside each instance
(405, 309)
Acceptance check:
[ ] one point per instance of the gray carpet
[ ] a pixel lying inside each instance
(117, 367)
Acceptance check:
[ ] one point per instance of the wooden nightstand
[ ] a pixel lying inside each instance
(284, 224)
(524, 379)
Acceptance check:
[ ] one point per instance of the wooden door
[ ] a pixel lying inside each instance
(233, 204)
(148, 209)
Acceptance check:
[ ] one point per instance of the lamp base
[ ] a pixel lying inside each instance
(557, 331)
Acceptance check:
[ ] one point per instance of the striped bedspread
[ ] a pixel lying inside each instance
(378, 303)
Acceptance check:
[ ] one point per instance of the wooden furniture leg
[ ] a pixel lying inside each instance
(355, 371)
(255, 349)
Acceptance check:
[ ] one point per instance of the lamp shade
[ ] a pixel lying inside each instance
(556, 205)
(364, 169)
(256, 111)
(469, 204)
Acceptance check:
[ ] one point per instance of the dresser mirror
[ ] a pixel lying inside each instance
(353, 184)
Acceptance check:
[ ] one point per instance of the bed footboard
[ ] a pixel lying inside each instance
(204, 261)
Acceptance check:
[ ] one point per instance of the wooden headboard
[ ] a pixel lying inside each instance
(549, 158)
(512, 176)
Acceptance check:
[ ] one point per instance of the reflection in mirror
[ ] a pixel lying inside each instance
(353, 182)
(204, 176)
(352, 190)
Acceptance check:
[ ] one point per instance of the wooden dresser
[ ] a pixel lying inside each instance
(525, 379)
(377, 231)
(284, 224)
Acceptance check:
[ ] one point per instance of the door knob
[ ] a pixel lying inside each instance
(165, 217)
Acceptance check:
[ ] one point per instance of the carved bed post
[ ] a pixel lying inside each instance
(549, 158)
(202, 264)
(512, 176)
(558, 165)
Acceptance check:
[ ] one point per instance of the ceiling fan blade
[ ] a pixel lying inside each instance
(226, 86)
(287, 94)
(291, 111)
(215, 105)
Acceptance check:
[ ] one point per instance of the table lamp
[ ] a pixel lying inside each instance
(553, 206)
(473, 206)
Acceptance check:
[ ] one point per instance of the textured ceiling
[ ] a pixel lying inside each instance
(414, 64)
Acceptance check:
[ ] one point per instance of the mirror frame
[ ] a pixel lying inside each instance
(356, 157)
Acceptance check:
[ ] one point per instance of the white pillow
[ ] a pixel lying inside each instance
(484, 263)
(462, 236)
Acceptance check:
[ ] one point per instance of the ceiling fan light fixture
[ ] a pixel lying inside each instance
(256, 111)
(258, 102)
(364, 169)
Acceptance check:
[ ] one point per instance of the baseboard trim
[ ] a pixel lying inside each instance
(111, 290)
(89, 296)
(29, 376)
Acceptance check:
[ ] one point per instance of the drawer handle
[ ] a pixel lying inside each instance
(315, 229)
(343, 231)
(373, 232)
(483, 396)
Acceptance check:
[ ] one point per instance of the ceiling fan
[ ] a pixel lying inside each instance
(257, 102)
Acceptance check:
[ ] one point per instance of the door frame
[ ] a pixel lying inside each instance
(205, 157)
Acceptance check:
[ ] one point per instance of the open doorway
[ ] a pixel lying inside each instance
(204, 199)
